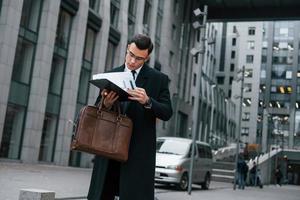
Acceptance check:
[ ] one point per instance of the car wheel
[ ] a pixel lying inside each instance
(206, 183)
(184, 181)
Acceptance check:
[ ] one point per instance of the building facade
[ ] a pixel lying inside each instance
(247, 52)
(279, 96)
(50, 48)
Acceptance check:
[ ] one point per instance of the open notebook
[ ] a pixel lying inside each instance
(118, 82)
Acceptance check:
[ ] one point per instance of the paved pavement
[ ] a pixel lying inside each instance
(74, 182)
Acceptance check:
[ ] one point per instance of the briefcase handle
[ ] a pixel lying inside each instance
(115, 107)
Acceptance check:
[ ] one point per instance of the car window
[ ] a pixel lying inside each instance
(201, 151)
(190, 152)
(158, 144)
(172, 147)
(204, 151)
(208, 152)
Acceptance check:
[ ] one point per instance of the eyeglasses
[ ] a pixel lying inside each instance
(140, 59)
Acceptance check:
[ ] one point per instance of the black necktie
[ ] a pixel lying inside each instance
(133, 74)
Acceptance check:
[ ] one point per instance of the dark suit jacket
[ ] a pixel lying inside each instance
(137, 174)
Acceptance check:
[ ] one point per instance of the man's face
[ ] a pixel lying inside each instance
(135, 57)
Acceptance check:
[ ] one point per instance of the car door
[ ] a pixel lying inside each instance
(201, 165)
(197, 166)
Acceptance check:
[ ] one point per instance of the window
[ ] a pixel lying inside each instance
(196, 59)
(250, 44)
(48, 138)
(173, 32)
(12, 132)
(147, 16)
(220, 80)
(30, 14)
(194, 79)
(249, 58)
(131, 18)
(248, 73)
(193, 100)
(132, 7)
(85, 73)
(233, 41)
(246, 116)
(280, 72)
(176, 7)
(198, 34)
(158, 26)
(161, 4)
(284, 32)
(110, 55)
(23, 61)
(230, 80)
(232, 54)
(251, 31)
(244, 131)
(63, 29)
(57, 75)
(89, 44)
(232, 67)
(94, 4)
(247, 102)
(264, 59)
(281, 89)
(247, 87)
(234, 29)
(114, 13)
(171, 58)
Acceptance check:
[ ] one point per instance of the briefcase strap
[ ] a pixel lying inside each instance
(115, 107)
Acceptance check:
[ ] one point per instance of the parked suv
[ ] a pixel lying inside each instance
(173, 157)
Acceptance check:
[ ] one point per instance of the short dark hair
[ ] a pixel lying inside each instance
(142, 42)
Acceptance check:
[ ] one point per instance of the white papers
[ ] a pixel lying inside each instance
(124, 80)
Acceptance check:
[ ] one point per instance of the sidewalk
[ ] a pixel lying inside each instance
(69, 182)
(64, 181)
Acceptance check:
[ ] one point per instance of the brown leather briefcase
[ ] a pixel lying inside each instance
(103, 132)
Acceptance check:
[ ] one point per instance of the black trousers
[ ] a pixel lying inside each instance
(112, 180)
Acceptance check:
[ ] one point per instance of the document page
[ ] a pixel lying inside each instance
(118, 82)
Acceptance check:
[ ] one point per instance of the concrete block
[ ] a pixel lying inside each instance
(36, 194)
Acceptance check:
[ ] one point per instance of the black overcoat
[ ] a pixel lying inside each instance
(137, 174)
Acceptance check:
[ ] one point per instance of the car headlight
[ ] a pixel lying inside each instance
(178, 168)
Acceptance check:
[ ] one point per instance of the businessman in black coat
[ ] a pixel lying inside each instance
(134, 179)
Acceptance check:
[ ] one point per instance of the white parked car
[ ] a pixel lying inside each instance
(173, 157)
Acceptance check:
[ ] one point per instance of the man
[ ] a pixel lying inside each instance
(253, 174)
(241, 169)
(134, 179)
(278, 175)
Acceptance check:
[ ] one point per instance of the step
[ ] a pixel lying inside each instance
(224, 172)
(222, 178)
(223, 165)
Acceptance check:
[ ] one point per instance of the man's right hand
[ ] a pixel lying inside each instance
(109, 98)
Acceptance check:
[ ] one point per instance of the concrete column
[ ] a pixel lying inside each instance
(70, 86)
(9, 28)
(123, 28)
(40, 81)
(36, 194)
(153, 29)
(139, 16)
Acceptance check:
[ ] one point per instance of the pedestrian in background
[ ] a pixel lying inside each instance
(242, 169)
(278, 175)
(253, 174)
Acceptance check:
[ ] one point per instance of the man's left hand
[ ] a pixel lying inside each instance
(138, 94)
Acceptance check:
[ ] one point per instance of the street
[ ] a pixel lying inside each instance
(69, 182)
(224, 191)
